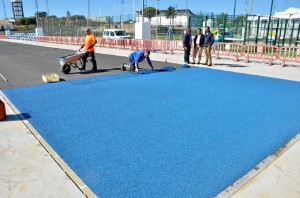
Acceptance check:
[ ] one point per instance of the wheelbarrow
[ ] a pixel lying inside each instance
(70, 60)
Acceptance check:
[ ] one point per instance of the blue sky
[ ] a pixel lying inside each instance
(113, 7)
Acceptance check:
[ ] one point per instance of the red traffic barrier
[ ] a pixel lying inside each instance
(2, 111)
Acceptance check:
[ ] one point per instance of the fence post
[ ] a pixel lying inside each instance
(284, 33)
(276, 31)
(278, 43)
(269, 22)
(291, 37)
(257, 29)
(297, 34)
(223, 33)
(246, 26)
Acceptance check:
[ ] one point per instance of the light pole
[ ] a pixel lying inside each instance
(143, 6)
(157, 19)
(234, 6)
(89, 14)
(37, 10)
(122, 3)
(187, 14)
(268, 29)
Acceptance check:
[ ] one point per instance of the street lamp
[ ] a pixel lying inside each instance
(234, 6)
(157, 19)
(187, 13)
(122, 3)
(271, 11)
(37, 10)
(143, 6)
(89, 14)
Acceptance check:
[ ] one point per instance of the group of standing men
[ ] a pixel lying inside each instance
(200, 42)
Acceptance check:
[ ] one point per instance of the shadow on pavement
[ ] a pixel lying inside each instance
(95, 72)
(229, 65)
(23, 116)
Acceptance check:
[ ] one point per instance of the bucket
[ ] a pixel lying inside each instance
(2, 111)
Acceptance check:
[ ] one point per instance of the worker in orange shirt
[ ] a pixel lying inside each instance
(89, 46)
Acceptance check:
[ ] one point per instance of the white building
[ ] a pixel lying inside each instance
(180, 18)
(5, 25)
(291, 13)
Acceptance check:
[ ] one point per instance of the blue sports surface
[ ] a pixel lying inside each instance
(187, 133)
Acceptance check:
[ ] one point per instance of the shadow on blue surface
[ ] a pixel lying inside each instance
(188, 133)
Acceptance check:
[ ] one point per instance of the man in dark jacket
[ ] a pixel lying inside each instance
(208, 42)
(187, 43)
(198, 45)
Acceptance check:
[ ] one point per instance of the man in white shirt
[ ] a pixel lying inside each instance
(198, 46)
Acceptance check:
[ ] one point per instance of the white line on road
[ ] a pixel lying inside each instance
(3, 77)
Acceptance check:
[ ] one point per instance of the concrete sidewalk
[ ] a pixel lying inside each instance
(29, 169)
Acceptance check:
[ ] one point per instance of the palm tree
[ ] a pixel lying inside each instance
(171, 13)
(149, 12)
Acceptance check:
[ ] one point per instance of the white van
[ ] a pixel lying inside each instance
(115, 33)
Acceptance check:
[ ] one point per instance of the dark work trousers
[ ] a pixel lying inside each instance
(84, 58)
(132, 64)
(187, 53)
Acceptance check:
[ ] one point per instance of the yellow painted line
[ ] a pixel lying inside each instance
(71, 174)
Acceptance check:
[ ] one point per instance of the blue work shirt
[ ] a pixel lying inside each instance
(138, 56)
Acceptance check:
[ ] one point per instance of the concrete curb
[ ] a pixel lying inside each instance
(242, 182)
(70, 173)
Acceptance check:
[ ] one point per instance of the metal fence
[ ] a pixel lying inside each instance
(226, 28)
(250, 29)
(67, 27)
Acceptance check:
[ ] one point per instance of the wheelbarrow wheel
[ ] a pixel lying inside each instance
(66, 68)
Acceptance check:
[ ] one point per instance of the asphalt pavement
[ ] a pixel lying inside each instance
(23, 64)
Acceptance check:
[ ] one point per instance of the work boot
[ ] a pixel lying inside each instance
(94, 69)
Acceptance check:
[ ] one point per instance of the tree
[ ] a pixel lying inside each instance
(149, 12)
(53, 16)
(239, 20)
(41, 14)
(220, 18)
(23, 21)
(68, 16)
(77, 17)
(32, 20)
(26, 21)
(170, 13)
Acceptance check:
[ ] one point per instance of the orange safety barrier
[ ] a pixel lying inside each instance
(65, 40)
(249, 51)
(119, 43)
(229, 49)
(76, 41)
(38, 38)
(156, 45)
(140, 44)
(3, 37)
(289, 54)
(259, 51)
(55, 39)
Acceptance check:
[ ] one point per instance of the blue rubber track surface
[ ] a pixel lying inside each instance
(186, 133)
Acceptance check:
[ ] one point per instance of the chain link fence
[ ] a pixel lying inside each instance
(250, 29)
(226, 28)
